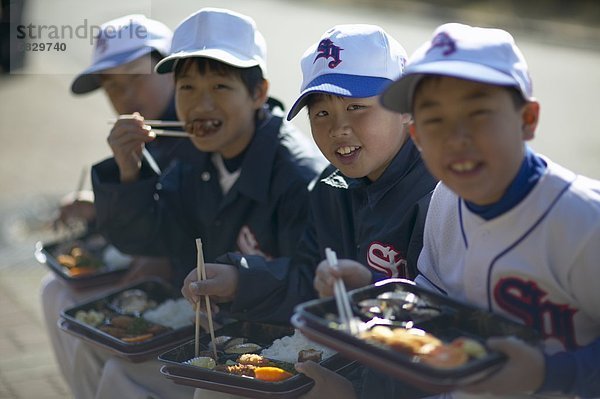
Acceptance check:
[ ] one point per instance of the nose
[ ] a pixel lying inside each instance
(340, 127)
(458, 135)
(204, 102)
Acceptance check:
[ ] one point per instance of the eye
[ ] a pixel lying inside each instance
(320, 114)
(355, 107)
(432, 120)
(184, 86)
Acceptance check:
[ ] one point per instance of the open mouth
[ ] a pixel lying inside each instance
(203, 127)
(465, 167)
(347, 154)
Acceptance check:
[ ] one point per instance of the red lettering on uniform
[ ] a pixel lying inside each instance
(385, 259)
(526, 300)
(248, 244)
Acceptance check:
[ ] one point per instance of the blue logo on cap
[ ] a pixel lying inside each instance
(327, 49)
(101, 44)
(444, 42)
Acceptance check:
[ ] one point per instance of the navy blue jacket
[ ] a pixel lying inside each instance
(264, 212)
(379, 224)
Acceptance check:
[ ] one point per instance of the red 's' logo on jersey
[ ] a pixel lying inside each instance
(527, 301)
(248, 244)
(385, 259)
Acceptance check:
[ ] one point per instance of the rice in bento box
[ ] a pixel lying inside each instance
(172, 313)
(286, 348)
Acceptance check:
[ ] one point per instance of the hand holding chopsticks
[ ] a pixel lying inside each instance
(341, 297)
(201, 270)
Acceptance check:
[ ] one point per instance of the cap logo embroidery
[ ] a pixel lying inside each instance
(101, 44)
(444, 42)
(327, 49)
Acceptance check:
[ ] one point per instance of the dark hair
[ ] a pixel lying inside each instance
(517, 98)
(251, 77)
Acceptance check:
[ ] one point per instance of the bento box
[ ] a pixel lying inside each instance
(87, 260)
(412, 334)
(258, 376)
(136, 322)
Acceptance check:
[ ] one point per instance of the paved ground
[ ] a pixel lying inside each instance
(47, 136)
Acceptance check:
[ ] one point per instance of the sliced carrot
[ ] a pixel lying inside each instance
(137, 338)
(271, 374)
(81, 271)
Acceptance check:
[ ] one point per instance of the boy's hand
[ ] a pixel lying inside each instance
(126, 140)
(144, 266)
(76, 206)
(327, 383)
(221, 283)
(354, 274)
(522, 373)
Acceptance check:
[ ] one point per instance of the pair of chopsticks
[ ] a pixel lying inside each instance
(201, 270)
(341, 297)
(164, 124)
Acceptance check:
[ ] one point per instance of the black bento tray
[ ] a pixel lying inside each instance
(454, 320)
(47, 253)
(157, 290)
(259, 333)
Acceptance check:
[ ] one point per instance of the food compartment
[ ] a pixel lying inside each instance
(250, 373)
(85, 261)
(136, 318)
(412, 333)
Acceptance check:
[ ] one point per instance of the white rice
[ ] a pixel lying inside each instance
(286, 348)
(172, 313)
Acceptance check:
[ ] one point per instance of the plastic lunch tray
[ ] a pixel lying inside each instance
(157, 290)
(46, 253)
(259, 333)
(454, 319)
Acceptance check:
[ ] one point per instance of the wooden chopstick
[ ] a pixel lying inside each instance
(201, 270)
(154, 123)
(341, 296)
(170, 133)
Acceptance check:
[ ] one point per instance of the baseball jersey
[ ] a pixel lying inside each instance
(536, 263)
(379, 224)
(264, 212)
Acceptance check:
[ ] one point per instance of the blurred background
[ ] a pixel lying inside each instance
(48, 135)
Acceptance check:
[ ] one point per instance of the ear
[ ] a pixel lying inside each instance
(412, 130)
(261, 92)
(530, 116)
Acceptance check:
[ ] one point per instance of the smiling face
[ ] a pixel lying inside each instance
(217, 108)
(471, 135)
(356, 135)
(132, 87)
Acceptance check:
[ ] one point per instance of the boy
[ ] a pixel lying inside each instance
(507, 229)
(246, 191)
(376, 176)
(121, 67)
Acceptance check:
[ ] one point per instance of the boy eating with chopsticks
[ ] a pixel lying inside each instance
(121, 68)
(246, 191)
(369, 205)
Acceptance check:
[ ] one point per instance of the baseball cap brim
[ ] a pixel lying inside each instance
(88, 80)
(343, 85)
(398, 96)
(167, 64)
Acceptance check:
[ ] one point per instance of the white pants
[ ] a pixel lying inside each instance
(80, 364)
(124, 379)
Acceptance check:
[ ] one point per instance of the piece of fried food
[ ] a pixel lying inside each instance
(252, 359)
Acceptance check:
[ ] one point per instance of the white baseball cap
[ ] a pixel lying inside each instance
(120, 41)
(483, 55)
(219, 34)
(350, 61)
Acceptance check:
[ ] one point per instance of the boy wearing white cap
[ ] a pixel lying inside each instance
(246, 192)
(125, 52)
(369, 205)
(507, 229)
